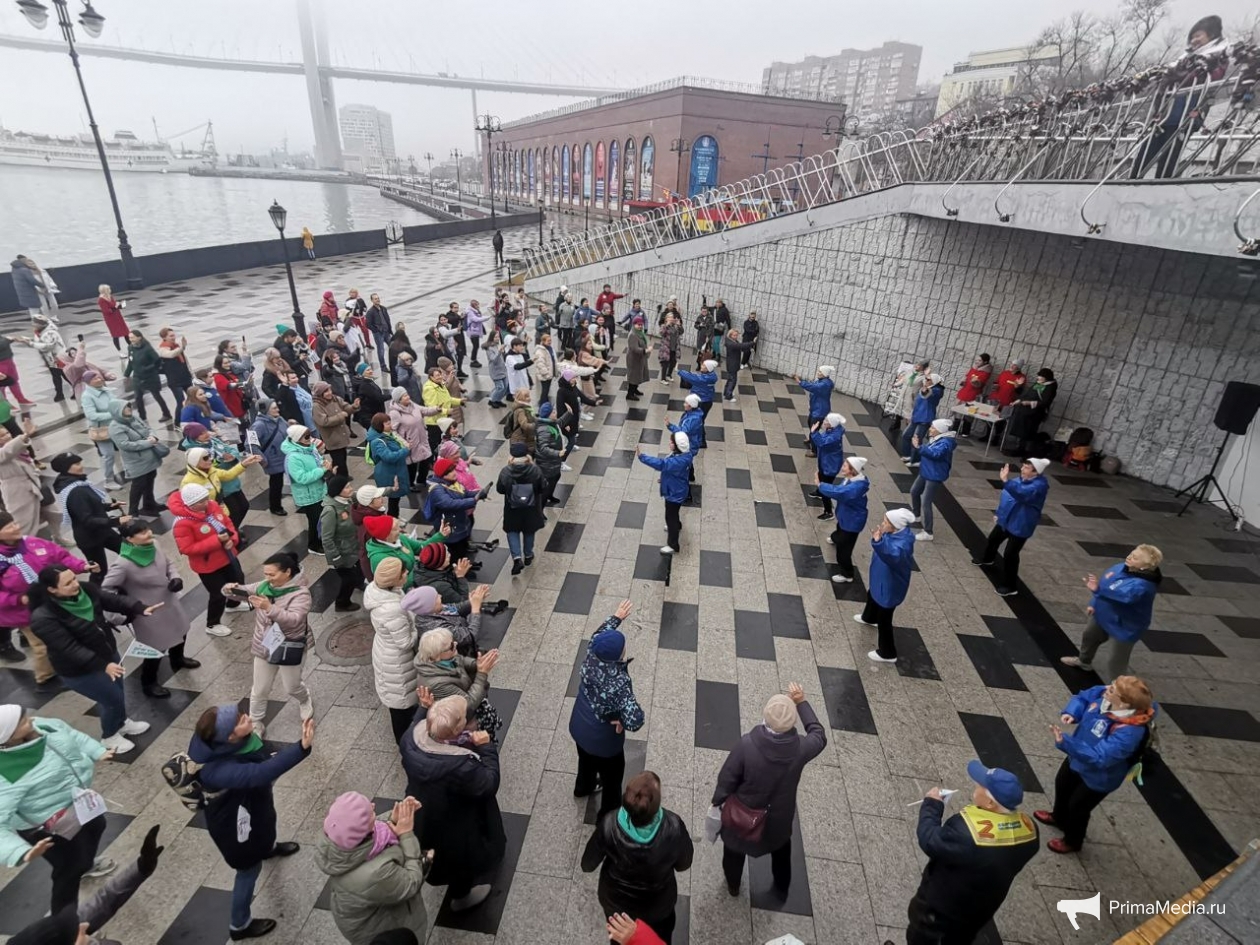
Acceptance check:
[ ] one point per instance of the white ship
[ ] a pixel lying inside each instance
(125, 152)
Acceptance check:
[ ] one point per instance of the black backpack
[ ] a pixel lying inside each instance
(521, 496)
(184, 777)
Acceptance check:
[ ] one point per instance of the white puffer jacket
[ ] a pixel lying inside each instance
(393, 648)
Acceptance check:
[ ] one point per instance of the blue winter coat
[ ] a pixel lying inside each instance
(191, 413)
(829, 445)
(605, 694)
(701, 384)
(925, 407)
(271, 436)
(691, 423)
(850, 498)
(673, 469)
(890, 567)
(447, 502)
(1124, 601)
(1019, 509)
(1101, 749)
(937, 456)
(819, 396)
(390, 457)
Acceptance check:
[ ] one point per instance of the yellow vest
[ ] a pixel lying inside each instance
(997, 830)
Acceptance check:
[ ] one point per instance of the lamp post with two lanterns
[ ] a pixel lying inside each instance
(278, 217)
(489, 125)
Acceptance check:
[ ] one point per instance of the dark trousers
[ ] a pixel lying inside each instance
(142, 496)
(549, 488)
(673, 524)
(177, 395)
(1073, 803)
(746, 357)
(545, 393)
(610, 771)
(435, 437)
(149, 668)
(400, 721)
(907, 446)
(213, 582)
(1010, 560)
(340, 466)
(58, 379)
(154, 390)
(458, 549)
(392, 506)
(476, 345)
(69, 860)
(275, 491)
(667, 368)
(883, 618)
(110, 540)
(312, 525)
(705, 407)
(844, 542)
(350, 581)
(237, 507)
(780, 866)
(825, 501)
(732, 379)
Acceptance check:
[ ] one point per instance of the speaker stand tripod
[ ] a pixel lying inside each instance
(1200, 490)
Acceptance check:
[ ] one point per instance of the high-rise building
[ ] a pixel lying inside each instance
(869, 81)
(368, 133)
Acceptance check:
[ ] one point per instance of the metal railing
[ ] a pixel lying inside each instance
(1192, 119)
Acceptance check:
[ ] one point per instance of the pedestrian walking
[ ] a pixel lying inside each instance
(1120, 610)
(521, 485)
(145, 370)
(892, 561)
(849, 495)
(675, 469)
(29, 286)
(308, 242)
(936, 458)
(497, 242)
(1018, 513)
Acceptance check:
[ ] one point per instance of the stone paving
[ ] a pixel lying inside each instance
(745, 608)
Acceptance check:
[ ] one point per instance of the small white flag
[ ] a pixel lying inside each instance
(142, 651)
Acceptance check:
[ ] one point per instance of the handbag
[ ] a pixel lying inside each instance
(745, 823)
(98, 434)
(288, 653)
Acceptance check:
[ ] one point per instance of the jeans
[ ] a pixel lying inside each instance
(69, 859)
(924, 489)
(610, 772)
(243, 895)
(780, 866)
(1116, 661)
(1010, 561)
(732, 379)
(142, 496)
(913, 430)
(290, 677)
(882, 617)
(213, 582)
(514, 544)
(106, 693)
(108, 453)
(500, 391)
(1073, 803)
(844, 542)
(673, 524)
(380, 349)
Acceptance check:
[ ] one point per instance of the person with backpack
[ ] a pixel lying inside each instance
(1120, 611)
(307, 470)
(269, 430)
(936, 458)
(521, 483)
(674, 468)
(1018, 513)
(237, 775)
(819, 391)
(850, 497)
(1113, 729)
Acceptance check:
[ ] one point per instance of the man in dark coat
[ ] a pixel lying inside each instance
(88, 510)
(497, 242)
(763, 771)
(752, 329)
(381, 327)
(734, 356)
(973, 858)
(454, 773)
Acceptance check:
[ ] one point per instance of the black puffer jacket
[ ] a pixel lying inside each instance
(638, 878)
(89, 514)
(77, 647)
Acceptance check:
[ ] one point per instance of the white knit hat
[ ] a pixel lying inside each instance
(366, 495)
(682, 441)
(827, 370)
(857, 462)
(195, 455)
(834, 420)
(692, 400)
(444, 423)
(942, 425)
(10, 719)
(710, 365)
(899, 518)
(193, 493)
(934, 378)
(296, 432)
(1039, 465)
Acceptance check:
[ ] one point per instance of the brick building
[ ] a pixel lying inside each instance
(602, 153)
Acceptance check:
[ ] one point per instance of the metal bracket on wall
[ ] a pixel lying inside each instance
(1006, 217)
(953, 211)
(1250, 246)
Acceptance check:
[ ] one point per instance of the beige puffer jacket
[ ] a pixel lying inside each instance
(393, 648)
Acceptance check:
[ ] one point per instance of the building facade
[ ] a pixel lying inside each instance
(990, 75)
(367, 136)
(681, 139)
(869, 81)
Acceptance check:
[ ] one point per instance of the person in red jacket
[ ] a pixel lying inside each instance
(1009, 383)
(229, 387)
(973, 387)
(205, 535)
(607, 297)
(627, 931)
(111, 310)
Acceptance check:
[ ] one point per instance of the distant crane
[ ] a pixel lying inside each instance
(209, 152)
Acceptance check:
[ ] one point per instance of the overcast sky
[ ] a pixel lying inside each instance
(572, 41)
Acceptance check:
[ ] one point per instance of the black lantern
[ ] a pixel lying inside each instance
(279, 215)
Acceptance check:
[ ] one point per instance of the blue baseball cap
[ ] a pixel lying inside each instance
(1000, 783)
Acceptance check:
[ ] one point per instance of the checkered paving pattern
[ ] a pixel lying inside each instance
(746, 607)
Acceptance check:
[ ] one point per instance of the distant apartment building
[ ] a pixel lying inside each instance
(870, 81)
(367, 137)
(990, 74)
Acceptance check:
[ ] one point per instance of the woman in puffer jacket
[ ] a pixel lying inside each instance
(444, 672)
(394, 645)
(142, 455)
(462, 620)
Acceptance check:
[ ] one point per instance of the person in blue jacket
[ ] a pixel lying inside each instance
(826, 442)
(892, 560)
(702, 384)
(389, 454)
(819, 391)
(1113, 728)
(675, 488)
(926, 399)
(1018, 512)
(850, 498)
(1120, 611)
(448, 502)
(692, 424)
(935, 457)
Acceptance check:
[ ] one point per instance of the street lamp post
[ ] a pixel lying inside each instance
(839, 127)
(428, 156)
(456, 154)
(278, 216)
(680, 146)
(489, 125)
(92, 22)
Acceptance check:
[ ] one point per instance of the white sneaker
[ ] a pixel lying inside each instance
(101, 866)
(130, 727)
(575, 448)
(829, 541)
(875, 657)
(565, 467)
(924, 536)
(858, 618)
(218, 630)
(113, 486)
(117, 744)
(840, 579)
(666, 550)
(588, 416)
(260, 729)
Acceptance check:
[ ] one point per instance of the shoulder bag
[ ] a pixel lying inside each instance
(744, 823)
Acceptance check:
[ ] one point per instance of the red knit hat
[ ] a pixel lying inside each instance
(443, 466)
(434, 556)
(379, 526)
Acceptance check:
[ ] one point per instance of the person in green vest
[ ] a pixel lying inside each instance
(386, 540)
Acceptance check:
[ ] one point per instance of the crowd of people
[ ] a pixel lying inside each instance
(297, 418)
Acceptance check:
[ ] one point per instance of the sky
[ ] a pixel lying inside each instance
(571, 41)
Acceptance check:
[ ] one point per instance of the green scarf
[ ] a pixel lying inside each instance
(17, 761)
(80, 605)
(272, 593)
(639, 834)
(447, 664)
(253, 743)
(140, 555)
(1039, 387)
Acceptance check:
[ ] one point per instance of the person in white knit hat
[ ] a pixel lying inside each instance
(849, 494)
(675, 488)
(819, 390)
(936, 458)
(892, 561)
(1018, 513)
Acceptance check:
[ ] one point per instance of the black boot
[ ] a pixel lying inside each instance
(8, 652)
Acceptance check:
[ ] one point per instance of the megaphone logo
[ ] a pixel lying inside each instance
(1073, 907)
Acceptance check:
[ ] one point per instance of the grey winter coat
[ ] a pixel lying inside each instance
(373, 896)
(166, 626)
(636, 357)
(764, 770)
(494, 361)
(461, 680)
(26, 283)
(337, 531)
(131, 436)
